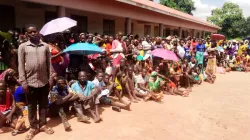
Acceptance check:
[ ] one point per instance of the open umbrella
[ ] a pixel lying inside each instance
(217, 37)
(58, 25)
(83, 49)
(165, 54)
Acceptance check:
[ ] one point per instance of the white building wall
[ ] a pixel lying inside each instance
(138, 29)
(95, 21)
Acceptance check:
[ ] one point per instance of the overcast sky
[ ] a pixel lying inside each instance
(204, 7)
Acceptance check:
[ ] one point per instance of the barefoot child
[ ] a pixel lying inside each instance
(141, 83)
(102, 81)
(154, 86)
(131, 83)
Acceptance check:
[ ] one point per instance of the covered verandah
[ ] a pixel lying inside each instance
(108, 17)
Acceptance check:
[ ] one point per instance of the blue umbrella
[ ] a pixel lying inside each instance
(83, 49)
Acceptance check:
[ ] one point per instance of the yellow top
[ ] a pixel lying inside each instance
(241, 49)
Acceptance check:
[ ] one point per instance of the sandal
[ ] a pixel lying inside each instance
(16, 132)
(47, 130)
(31, 134)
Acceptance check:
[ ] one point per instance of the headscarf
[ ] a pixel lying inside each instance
(219, 43)
(246, 42)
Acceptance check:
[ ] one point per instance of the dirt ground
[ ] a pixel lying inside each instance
(212, 112)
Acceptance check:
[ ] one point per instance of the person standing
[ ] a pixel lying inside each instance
(35, 77)
(118, 49)
(181, 49)
(200, 49)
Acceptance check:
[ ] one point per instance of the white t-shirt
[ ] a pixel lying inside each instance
(108, 70)
(104, 92)
(147, 46)
(96, 82)
(181, 51)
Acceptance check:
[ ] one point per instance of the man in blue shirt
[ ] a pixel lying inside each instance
(87, 93)
(200, 47)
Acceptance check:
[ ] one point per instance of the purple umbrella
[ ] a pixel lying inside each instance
(57, 25)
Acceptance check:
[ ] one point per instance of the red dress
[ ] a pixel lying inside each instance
(7, 105)
(54, 51)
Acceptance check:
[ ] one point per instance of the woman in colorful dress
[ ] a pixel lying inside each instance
(59, 60)
(118, 49)
(211, 64)
(200, 49)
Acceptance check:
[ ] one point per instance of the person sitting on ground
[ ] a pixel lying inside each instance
(141, 83)
(10, 115)
(60, 98)
(171, 87)
(154, 86)
(20, 99)
(10, 78)
(107, 89)
(238, 63)
(87, 93)
(194, 75)
(185, 80)
(119, 76)
(220, 69)
(130, 85)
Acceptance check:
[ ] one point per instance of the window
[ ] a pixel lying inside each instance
(147, 30)
(49, 15)
(82, 23)
(176, 32)
(108, 27)
(156, 31)
(7, 17)
(167, 32)
(198, 34)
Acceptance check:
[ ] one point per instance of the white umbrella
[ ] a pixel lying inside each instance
(57, 25)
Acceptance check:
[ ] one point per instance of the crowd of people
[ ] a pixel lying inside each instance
(38, 77)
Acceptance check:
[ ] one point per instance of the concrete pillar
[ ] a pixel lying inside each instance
(200, 34)
(180, 32)
(160, 30)
(193, 33)
(61, 11)
(204, 35)
(128, 26)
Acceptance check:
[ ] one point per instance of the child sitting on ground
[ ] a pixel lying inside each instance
(10, 115)
(102, 81)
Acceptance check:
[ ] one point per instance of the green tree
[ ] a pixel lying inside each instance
(186, 6)
(248, 26)
(230, 18)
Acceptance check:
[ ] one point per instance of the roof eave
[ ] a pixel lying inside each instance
(166, 13)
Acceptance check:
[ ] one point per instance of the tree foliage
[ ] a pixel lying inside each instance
(186, 6)
(230, 18)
